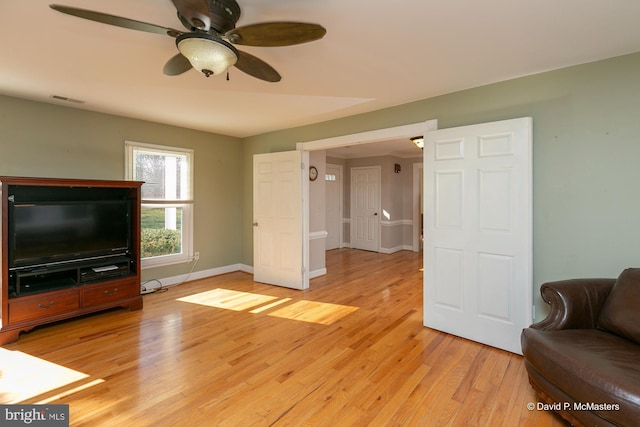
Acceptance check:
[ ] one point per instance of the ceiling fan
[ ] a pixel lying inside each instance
(208, 45)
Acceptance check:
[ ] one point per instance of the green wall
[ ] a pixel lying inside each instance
(586, 149)
(585, 161)
(45, 140)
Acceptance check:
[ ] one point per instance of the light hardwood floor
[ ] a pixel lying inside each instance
(350, 351)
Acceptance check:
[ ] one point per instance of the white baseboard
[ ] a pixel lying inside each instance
(317, 273)
(153, 284)
(396, 249)
(246, 268)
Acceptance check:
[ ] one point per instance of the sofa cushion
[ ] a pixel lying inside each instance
(621, 312)
(591, 366)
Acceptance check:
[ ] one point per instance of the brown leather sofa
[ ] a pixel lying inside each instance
(583, 360)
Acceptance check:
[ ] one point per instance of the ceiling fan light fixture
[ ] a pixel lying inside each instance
(206, 53)
(418, 141)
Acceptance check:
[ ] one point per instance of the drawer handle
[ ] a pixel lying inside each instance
(115, 291)
(46, 306)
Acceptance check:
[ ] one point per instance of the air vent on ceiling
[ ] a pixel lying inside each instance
(65, 98)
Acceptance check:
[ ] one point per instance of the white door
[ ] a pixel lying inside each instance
(334, 206)
(278, 247)
(478, 227)
(365, 208)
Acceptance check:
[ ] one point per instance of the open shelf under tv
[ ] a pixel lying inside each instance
(46, 278)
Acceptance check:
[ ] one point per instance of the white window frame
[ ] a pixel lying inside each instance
(186, 203)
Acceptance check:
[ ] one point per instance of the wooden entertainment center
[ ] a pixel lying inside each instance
(69, 247)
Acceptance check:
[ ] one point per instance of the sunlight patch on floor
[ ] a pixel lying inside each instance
(23, 376)
(315, 312)
(304, 311)
(227, 299)
(60, 396)
(270, 306)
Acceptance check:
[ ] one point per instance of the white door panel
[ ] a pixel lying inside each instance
(278, 254)
(478, 222)
(365, 207)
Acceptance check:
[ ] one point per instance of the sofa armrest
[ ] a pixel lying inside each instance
(575, 303)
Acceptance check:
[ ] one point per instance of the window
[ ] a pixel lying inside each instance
(167, 201)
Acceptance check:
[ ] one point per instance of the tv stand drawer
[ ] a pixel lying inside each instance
(105, 294)
(45, 306)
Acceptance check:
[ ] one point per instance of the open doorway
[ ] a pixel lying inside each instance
(499, 285)
(389, 219)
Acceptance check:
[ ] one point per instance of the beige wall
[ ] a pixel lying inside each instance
(44, 140)
(396, 199)
(317, 214)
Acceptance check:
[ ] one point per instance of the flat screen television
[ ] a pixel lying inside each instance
(54, 232)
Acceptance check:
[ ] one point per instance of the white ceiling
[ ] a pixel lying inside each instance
(376, 54)
(396, 147)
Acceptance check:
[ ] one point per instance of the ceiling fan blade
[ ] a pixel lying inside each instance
(196, 12)
(178, 64)
(118, 21)
(271, 34)
(257, 68)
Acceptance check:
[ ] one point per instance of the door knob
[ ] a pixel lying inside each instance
(375, 214)
(255, 224)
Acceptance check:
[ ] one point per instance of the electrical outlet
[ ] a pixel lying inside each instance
(196, 256)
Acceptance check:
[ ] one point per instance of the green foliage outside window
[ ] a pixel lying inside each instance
(155, 240)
